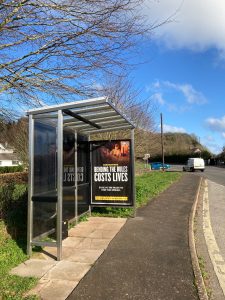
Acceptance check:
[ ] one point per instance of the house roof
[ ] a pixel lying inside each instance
(5, 146)
(1, 146)
(8, 156)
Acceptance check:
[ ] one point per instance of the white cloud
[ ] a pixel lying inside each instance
(216, 124)
(209, 138)
(156, 84)
(172, 107)
(197, 25)
(153, 86)
(211, 143)
(157, 97)
(191, 95)
(169, 128)
(214, 148)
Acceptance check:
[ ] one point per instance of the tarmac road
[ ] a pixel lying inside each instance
(211, 229)
(215, 174)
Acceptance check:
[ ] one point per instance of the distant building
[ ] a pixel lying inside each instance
(5, 148)
(8, 157)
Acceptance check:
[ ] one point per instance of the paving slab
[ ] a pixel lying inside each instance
(53, 289)
(107, 220)
(67, 270)
(57, 289)
(33, 268)
(88, 256)
(85, 244)
(73, 241)
(111, 226)
(81, 231)
(103, 234)
(99, 243)
(84, 255)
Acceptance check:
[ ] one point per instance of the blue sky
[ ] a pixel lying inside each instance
(184, 70)
(184, 73)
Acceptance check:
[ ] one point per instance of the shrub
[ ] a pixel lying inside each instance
(13, 208)
(17, 178)
(12, 169)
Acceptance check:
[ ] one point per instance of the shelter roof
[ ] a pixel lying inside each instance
(87, 116)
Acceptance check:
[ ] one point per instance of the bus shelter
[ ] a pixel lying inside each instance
(61, 180)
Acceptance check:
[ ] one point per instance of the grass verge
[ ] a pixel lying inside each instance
(12, 287)
(148, 186)
(205, 276)
(13, 208)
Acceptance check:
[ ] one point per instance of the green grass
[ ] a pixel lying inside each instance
(11, 255)
(13, 241)
(18, 190)
(148, 186)
(152, 184)
(141, 167)
(205, 276)
(202, 267)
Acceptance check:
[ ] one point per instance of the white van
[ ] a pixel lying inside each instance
(194, 164)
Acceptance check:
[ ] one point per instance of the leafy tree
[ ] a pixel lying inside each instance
(221, 156)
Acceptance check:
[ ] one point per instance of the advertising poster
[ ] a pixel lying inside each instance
(111, 173)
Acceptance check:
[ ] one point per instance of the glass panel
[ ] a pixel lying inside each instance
(44, 224)
(45, 180)
(68, 175)
(83, 175)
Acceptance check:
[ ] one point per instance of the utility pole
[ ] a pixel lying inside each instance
(162, 139)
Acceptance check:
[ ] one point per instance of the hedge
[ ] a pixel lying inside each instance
(13, 208)
(12, 169)
(17, 178)
(173, 158)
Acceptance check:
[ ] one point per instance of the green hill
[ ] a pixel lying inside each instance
(178, 147)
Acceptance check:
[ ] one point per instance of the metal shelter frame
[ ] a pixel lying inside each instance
(82, 117)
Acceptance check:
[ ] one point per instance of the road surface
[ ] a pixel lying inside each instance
(210, 228)
(211, 214)
(215, 174)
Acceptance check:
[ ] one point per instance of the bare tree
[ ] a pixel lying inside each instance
(16, 135)
(140, 110)
(128, 98)
(53, 49)
(18, 138)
